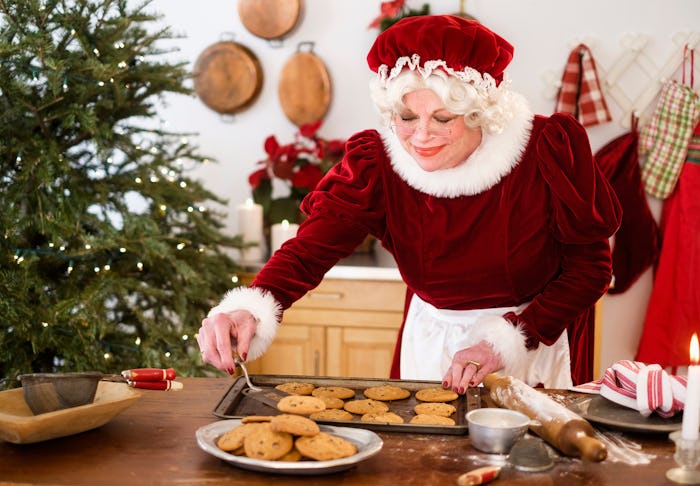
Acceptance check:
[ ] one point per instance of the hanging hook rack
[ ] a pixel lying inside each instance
(635, 55)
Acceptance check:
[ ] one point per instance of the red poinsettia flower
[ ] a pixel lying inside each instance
(307, 177)
(257, 177)
(335, 149)
(272, 147)
(388, 10)
(309, 130)
(283, 169)
(299, 165)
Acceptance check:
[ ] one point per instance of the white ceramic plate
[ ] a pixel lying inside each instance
(368, 444)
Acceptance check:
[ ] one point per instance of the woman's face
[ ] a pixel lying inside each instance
(434, 137)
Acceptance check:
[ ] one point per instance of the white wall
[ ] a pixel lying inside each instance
(542, 31)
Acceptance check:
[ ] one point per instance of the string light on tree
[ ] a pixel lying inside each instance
(62, 247)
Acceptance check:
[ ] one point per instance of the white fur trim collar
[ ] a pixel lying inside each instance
(496, 157)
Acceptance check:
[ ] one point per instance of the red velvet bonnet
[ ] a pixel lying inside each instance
(447, 42)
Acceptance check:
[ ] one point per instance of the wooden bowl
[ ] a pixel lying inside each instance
(19, 425)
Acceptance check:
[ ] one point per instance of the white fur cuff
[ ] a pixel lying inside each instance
(264, 308)
(508, 341)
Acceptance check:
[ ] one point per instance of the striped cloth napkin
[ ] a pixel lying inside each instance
(645, 388)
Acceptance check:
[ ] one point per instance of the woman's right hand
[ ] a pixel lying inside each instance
(470, 365)
(222, 334)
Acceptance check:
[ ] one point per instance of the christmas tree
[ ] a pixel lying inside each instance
(110, 255)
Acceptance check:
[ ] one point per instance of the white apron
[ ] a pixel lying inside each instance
(430, 336)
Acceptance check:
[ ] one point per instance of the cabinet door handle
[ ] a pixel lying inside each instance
(326, 295)
(317, 359)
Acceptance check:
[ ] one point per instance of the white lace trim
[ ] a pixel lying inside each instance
(484, 83)
(495, 157)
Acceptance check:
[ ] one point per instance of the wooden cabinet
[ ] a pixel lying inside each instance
(344, 327)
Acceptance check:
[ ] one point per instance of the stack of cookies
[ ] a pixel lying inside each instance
(338, 403)
(284, 437)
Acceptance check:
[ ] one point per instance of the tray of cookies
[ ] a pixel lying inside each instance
(368, 403)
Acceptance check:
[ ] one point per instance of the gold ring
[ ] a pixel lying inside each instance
(476, 364)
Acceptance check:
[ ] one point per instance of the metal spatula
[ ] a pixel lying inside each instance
(241, 364)
(268, 396)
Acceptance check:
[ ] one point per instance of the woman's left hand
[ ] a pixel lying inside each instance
(470, 366)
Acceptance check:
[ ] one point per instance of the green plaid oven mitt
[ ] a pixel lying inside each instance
(664, 140)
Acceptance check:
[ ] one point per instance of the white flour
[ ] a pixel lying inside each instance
(621, 449)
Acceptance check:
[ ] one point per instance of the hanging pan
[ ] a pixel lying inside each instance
(227, 77)
(269, 19)
(304, 87)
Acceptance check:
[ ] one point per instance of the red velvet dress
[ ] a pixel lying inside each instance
(540, 234)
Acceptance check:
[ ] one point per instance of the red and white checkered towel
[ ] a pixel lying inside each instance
(580, 94)
(645, 388)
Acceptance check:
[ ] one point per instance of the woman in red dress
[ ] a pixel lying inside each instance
(498, 220)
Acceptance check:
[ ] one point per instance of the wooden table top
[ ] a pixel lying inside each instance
(153, 442)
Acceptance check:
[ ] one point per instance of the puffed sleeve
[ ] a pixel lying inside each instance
(585, 207)
(345, 207)
(585, 213)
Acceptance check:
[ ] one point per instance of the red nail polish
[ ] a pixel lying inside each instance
(444, 384)
(230, 371)
(245, 356)
(461, 391)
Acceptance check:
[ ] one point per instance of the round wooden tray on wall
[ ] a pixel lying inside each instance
(269, 19)
(227, 77)
(304, 88)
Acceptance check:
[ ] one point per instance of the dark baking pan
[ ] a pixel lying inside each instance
(236, 403)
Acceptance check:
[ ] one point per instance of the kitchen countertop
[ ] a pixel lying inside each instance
(153, 443)
(377, 264)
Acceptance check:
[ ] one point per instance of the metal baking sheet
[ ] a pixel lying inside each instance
(235, 404)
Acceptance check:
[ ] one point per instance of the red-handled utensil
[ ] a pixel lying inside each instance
(149, 374)
(156, 385)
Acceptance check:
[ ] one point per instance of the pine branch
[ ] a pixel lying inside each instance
(110, 254)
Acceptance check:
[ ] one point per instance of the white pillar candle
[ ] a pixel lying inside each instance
(250, 227)
(691, 410)
(280, 233)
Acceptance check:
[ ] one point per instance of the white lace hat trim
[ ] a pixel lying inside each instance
(484, 83)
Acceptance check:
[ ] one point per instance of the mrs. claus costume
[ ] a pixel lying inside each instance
(510, 246)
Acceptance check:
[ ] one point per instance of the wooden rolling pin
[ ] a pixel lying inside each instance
(555, 423)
